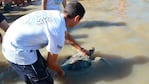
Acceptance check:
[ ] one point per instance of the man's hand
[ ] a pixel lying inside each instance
(52, 64)
(87, 52)
(61, 74)
(84, 51)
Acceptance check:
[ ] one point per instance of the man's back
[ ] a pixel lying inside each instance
(36, 30)
(30, 30)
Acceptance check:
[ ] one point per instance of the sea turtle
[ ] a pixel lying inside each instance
(78, 61)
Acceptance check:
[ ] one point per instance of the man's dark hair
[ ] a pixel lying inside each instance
(74, 8)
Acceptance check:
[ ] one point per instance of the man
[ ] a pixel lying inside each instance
(3, 24)
(33, 31)
(53, 4)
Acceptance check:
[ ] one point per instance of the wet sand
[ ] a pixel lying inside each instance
(118, 30)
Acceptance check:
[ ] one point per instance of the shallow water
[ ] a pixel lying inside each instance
(118, 29)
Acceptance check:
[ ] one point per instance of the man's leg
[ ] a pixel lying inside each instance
(36, 73)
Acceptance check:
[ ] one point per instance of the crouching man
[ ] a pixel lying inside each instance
(43, 28)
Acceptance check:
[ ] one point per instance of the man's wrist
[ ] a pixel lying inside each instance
(80, 49)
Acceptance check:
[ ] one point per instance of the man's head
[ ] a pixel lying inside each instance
(74, 12)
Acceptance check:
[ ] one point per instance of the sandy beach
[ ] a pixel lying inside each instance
(117, 29)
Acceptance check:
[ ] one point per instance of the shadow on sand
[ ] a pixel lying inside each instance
(114, 68)
(12, 18)
(15, 13)
(92, 24)
(7, 74)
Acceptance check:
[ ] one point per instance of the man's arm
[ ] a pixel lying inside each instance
(52, 64)
(4, 25)
(64, 3)
(71, 41)
(43, 4)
